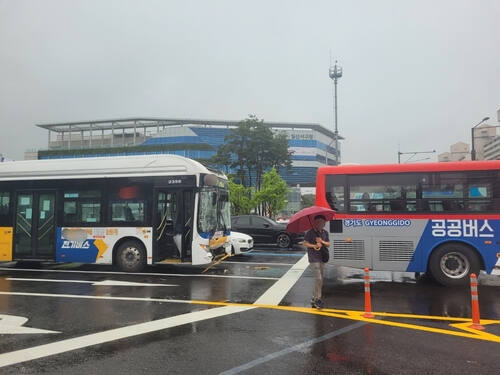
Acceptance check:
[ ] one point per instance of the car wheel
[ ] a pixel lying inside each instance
(131, 256)
(283, 241)
(451, 264)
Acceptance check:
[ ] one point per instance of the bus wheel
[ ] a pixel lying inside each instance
(131, 257)
(451, 264)
(283, 241)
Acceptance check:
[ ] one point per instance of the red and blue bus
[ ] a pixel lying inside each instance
(438, 218)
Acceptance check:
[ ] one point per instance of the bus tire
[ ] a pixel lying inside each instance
(283, 241)
(451, 264)
(131, 256)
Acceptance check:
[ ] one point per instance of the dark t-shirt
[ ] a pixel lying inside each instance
(313, 255)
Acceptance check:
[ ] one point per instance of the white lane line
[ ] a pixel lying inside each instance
(96, 283)
(271, 296)
(143, 273)
(260, 263)
(13, 325)
(83, 296)
(80, 342)
(279, 290)
(295, 348)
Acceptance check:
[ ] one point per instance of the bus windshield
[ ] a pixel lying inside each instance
(214, 212)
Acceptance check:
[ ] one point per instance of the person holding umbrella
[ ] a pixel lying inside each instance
(317, 242)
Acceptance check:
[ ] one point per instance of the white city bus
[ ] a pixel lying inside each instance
(128, 211)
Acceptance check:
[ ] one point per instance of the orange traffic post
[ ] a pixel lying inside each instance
(476, 319)
(368, 298)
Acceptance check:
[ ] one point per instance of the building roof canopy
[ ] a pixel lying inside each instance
(148, 122)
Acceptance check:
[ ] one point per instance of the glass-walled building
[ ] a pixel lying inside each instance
(312, 144)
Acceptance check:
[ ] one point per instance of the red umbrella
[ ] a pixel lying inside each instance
(302, 220)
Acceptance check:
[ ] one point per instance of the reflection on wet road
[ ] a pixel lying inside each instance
(250, 314)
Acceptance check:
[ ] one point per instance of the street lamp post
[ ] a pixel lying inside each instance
(473, 149)
(334, 73)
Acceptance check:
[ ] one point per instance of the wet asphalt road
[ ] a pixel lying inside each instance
(151, 329)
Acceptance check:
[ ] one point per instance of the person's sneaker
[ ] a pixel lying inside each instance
(313, 302)
(318, 304)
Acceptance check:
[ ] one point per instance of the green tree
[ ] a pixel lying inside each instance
(273, 193)
(280, 156)
(252, 148)
(222, 158)
(261, 145)
(238, 144)
(241, 199)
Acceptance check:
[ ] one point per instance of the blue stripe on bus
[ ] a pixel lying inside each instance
(475, 233)
(84, 251)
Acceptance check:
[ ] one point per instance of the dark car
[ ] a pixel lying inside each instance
(264, 230)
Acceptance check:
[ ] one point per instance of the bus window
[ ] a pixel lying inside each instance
(443, 191)
(127, 211)
(480, 197)
(4, 203)
(81, 207)
(127, 205)
(335, 186)
(335, 198)
(382, 193)
(480, 191)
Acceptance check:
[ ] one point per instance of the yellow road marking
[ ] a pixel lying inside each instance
(460, 323)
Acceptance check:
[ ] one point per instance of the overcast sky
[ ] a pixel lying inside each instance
(417, 73)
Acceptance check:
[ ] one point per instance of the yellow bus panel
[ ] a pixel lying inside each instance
(6, 243)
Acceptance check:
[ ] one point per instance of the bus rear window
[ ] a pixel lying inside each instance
(335, 192)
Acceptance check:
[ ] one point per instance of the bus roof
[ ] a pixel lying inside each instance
(120, 166)
(417, 167)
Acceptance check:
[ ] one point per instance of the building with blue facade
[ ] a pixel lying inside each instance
(311, 144)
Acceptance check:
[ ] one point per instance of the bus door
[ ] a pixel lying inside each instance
(173, 224)
(34, 233)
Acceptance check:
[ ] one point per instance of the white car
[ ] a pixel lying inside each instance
(240, 242)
